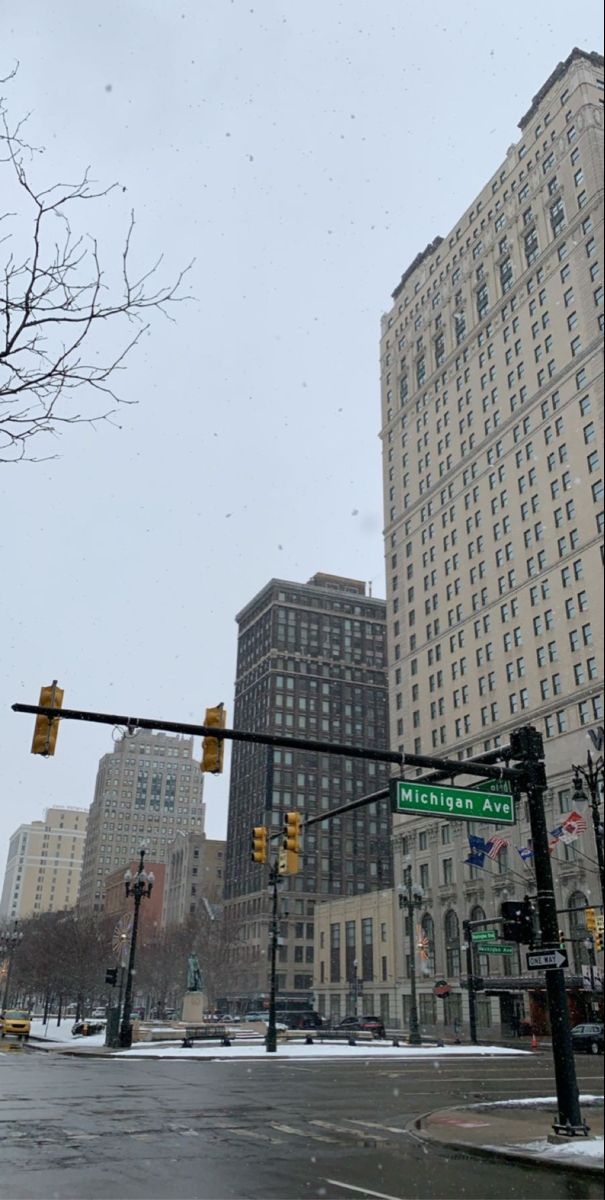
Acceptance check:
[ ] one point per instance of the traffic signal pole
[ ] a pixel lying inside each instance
(271, 1039)
(528, 748)
(470, 980)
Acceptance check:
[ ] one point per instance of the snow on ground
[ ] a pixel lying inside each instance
(53, 1033)
(316, 1051)
(588, 1149)
(533, 1101)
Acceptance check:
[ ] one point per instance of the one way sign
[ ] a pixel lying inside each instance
(542, 960)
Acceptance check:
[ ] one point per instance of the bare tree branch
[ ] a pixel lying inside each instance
(56, 303)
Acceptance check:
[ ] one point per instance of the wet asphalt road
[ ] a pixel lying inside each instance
(262, 1130)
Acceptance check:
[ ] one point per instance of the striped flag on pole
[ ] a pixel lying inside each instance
(495, 845)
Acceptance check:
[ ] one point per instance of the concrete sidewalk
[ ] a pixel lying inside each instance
(522, 1133)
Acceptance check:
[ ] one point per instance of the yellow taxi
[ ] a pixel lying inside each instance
(15, 1021)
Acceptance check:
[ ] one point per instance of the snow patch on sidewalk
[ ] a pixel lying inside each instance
(317, 1051)
(532, 1101)
(588, 1149)
(61, 1034)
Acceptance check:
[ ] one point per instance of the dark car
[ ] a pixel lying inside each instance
(367, 1023)
(588, 1038)
(310, 1020)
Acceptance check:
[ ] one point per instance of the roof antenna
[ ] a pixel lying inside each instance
(369, 587)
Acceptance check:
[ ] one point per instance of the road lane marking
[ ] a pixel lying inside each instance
(347, 1132)
(363, 1191)
(317, 1137)
(376, 1125)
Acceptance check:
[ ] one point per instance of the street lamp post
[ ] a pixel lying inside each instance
(592, 776)
(140, 886)
(8, 944)
(411, 897)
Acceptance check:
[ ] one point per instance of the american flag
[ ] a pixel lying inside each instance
(495, 845)
(422, 943)
(574, 823)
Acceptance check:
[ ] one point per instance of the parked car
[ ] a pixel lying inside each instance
(256, 1016)
(87, 1028)
(15, 1021)
(99, 1012)
(588, 1038)
(304, 1021)
(368, 1023)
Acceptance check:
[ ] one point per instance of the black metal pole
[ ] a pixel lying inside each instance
(271, 1039)
(470, 979)
(531, 753)
(592, 779)
(408, 900)
(126, 1024)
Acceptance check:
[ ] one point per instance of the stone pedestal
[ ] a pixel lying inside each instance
(195, 1004)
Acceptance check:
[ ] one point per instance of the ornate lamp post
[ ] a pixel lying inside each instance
(592, 776)
(141, 885)
(411, 897)
(9, 941)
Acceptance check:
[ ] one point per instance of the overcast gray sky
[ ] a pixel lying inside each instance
(303, 153)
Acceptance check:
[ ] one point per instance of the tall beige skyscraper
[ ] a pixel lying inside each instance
(492, 423)
(147, 790)
(44, 864)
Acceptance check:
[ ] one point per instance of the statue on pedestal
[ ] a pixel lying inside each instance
(194, 975)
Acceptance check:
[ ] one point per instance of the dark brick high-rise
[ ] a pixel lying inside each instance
(311, 663)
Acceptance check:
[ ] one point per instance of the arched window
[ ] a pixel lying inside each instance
(580, 952)
(427, 952)
(452, 943)
(482, 960)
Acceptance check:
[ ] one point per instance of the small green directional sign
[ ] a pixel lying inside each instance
(436, 800)
(483, 935)
(495, 948)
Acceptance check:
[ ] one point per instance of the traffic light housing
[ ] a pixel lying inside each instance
(598, 933)
(562, 938)
(213, 748)
(46, 729)
(591, 920)
(288, 857)
(111, 976)
(517, 921)
(259, 844)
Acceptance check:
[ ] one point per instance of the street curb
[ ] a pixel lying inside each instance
(495, 1152)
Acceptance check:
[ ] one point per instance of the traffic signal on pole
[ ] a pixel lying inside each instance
(598, 934)
(517, 921)
(288, 859)
(111, 976)
(259, 846)
(45, 729)
(213, 748)
(591, 920)
(562, 938)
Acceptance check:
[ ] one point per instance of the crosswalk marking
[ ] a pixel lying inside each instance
(317, 1137)
(347, 1132)
(376, 1125)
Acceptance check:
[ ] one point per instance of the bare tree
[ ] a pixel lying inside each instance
(57, 302)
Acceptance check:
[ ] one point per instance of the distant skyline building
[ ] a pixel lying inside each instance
(194, 876)
(44, 863)
(492, 432)
(311, 663)
(148, 789)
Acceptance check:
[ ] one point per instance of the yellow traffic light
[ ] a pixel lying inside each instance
(213, 748)
(288, 858)
(292, 831)
(598, 934)
(45, 729)
(259, 844)
(591, 919)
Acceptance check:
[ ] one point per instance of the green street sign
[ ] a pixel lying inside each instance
(436, 800)
(483, 935)
(495, 948)
(492, 785)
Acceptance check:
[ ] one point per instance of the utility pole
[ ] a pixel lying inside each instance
(411, 897)
(527, 748)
